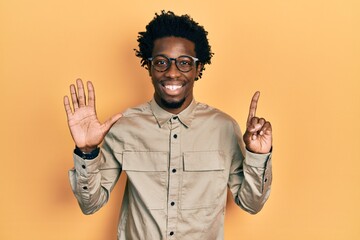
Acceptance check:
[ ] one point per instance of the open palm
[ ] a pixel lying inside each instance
(85, 128)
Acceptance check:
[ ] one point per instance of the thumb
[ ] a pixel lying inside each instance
(249, 136)
(110, 122)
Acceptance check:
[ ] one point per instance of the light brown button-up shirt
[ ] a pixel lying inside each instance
(178, 168)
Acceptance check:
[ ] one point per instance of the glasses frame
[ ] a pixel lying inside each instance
(176, 62)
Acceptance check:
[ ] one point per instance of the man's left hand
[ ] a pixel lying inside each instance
(258, 134)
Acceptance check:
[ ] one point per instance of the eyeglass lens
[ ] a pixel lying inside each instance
(183, 63)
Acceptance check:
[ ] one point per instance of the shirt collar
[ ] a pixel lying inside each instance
(162, 116)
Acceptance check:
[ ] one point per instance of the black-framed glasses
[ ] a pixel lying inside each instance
(184, 63)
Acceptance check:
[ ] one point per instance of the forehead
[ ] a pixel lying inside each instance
(173, 47)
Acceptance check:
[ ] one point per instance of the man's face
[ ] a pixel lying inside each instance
(173, 88)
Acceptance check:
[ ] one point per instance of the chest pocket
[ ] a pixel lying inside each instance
(204, 180)
(146, 172)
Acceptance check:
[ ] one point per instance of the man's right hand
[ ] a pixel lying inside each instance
(85, 128)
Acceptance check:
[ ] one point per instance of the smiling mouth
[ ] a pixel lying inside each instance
(173, 87)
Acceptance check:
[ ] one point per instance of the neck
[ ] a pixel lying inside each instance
(174, 108)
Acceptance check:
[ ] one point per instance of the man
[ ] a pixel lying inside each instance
(179, 155)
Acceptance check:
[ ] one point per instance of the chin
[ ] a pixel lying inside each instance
(172, 104)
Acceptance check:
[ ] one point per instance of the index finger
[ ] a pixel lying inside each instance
(253, 106)
(67, 107)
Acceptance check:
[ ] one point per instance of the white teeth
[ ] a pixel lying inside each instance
(172, 87)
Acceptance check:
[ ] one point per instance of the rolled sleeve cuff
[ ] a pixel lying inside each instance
(257, 160)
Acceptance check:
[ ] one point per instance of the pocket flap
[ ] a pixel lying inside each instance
(203, 161)
(145, 161)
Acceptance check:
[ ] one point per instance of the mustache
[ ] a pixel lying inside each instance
(172, 82)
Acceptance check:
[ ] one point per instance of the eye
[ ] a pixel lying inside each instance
(184, 61)
(159, 61)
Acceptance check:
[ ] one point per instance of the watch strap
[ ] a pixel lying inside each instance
(91, 155)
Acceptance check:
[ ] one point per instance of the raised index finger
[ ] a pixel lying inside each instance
(253, 106)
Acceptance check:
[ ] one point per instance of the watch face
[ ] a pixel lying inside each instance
(90, 155)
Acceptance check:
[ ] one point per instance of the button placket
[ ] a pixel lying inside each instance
(173, 174)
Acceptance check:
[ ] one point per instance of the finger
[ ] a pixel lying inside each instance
(91, 94)
(254, 125)
(74, 98)
(108, 124)
(254, 136)
(262, 122)
(266, 129)
(254, 122)
(81, 93)
(253, 106)
(67, 107)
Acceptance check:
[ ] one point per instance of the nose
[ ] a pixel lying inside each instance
(173, 71)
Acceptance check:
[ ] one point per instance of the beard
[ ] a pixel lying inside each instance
(172, 105)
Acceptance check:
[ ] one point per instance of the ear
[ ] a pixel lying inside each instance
(199, 68)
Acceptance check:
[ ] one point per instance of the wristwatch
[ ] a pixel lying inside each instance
(91, 155)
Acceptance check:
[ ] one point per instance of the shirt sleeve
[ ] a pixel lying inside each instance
(250, 177)
(92, 180)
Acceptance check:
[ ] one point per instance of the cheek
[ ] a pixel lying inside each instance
(155, 82)
(155, 76)
(191, 76)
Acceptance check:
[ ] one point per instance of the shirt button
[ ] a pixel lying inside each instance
(171, 233)
(175, 135)
(172, 203)
(265, 180)
(175, 117)
(174, 170)
(83, 166)
(85, 188)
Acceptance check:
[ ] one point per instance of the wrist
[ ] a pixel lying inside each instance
(264, 151)
(86, 150)
(87, 153)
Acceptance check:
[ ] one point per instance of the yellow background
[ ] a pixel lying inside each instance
(303, 55)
